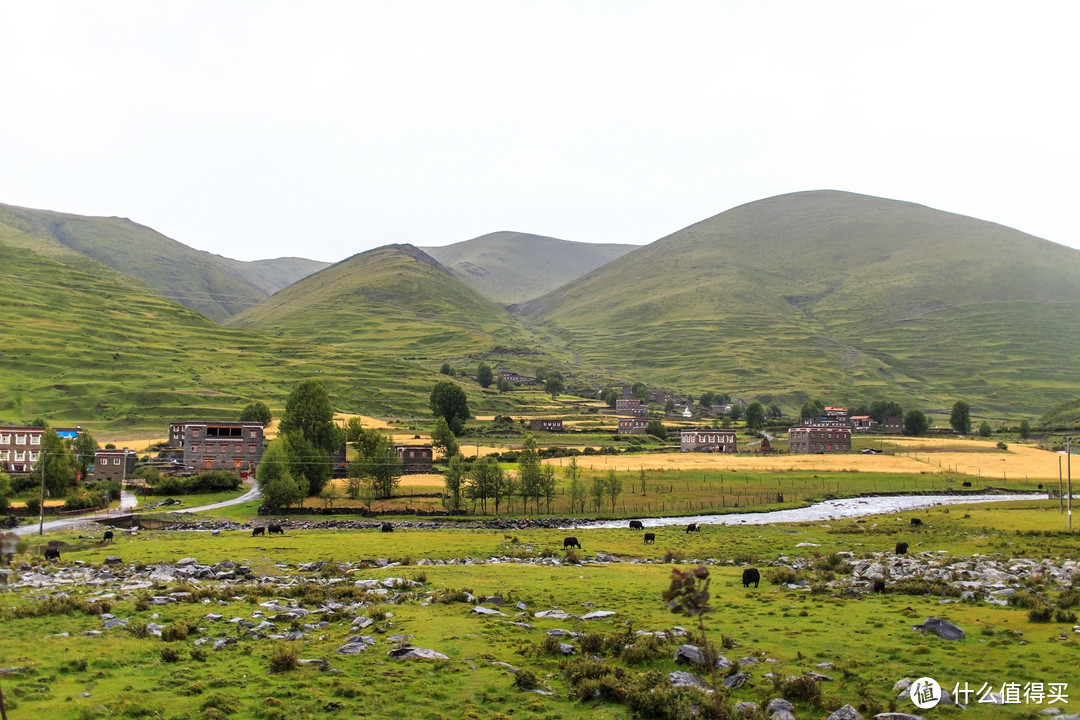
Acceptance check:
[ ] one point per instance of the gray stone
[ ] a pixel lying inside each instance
(690, 654)
(736, 681)
(943, 629)
(552, 614)
(415, 653)
(113, 560)
(114, 622)
(778, 704)
(481, 610)
(185, 562)
(361, 622)
(495, 600)
(746, 708)
(353, 648)
(782, 715)
(897, 716)
(685, 679)
(566, 649)
(819, 677)
(902, 684)
(846, 713)
(597, 614)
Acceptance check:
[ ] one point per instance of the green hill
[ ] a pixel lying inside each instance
(1063, 415)
(512, 267)
(835, 295)
(215, 286)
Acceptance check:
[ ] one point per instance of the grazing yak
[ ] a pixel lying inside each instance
(386, 527)
(693, 527)
(258, 531)
(52, 553)
(750, 575)
(901, 548)
(966, 483)
(569, 542)
(636, 525)
(915, 522)
(107, 537)
(272, 529)
(650, 538)
(879, 586)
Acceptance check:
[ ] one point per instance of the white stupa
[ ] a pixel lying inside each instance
(686, 412)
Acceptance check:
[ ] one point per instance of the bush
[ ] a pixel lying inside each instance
(781, 576)
(526, 680)
(283, 658)
(1064, 616)
(169, 655)
(1027, 600)
(800, 690)
(1040, 614)
(1068, 598)
(198, 654)
(174, 633)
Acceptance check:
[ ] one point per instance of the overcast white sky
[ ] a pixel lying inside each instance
(264, 129)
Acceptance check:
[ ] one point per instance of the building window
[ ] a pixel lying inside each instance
(20, 439)
(208, 463)
(224, 448)
(32, 456)
(35, 439)
(253, 448)
(194, 447)
(251, 433)
(237, 447)
(194, 433)
(116, 461)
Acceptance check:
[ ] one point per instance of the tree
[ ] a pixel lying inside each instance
(613, 486)
(383, 466)
(256, 412)
(985, 430)
(453, 479)
(309, 422)
(640, 391)
(641, 480)
(1025, 429)
(610, 396)
(5, 491)
(446, 369)
(503, 384)
(775, 411)
(811, 409)
(881, 409)
(484, 376)
(669, 406)
(553, 386)
(276, 483)
(572, 472)
(915, 422)
(58, 462)
(598, 491)
(547, 484)
(755, 416)
(448, 401)
(960, 417)
(707, 399)
(488, 482)
(530, 479)
(736, 412)
(83, 447)
(443, 438)
(329, 494)
(656, 428)
(309, 465)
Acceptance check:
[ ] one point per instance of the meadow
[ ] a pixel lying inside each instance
(787, 630)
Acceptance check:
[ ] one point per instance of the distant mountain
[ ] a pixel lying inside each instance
(839, 296)
(394, 300)
(215, 286)
(512, 267)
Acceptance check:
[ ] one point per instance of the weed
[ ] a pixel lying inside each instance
(174, 633)
(169, 655)
(526, 680)
(283, 658)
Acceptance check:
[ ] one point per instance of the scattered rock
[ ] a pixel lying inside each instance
(685, 679)
(736, 681)
(481, 610)
(846, 713)
(746, 708)
(942, 628)
(597, 614)
(414, 653)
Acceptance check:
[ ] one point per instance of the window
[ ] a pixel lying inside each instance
(251, 433)
(194, 432)
(116, 461)
(224, 448)
(20, 439)
(5, 454)
(32, 456)
(20, 456)
(5, 438)
(253, 448)
(208, 463)
(35, 439)
(237, 447)
(194, 447)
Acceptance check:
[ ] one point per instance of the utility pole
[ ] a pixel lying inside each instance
(1068, 465)
(1061, 498)
(41, 509)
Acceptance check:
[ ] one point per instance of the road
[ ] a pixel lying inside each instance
(128, 502)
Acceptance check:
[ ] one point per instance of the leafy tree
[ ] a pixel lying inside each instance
(484, 376)
(598, 491)
(656, 428)
(278, 486)
(530, 479)
(669, 406)
(960, 417)
(353, 488)
(448, 401)
(309, 465)
(755, 415)
(488, 482)
(5, 491)
(364, 441)
(881, 409)
(329, 494)
(256, 412)
(811, 409)
(613, 487)
(383, 466)
(503, 384)
(640, 391)
(775, 411)
(547, 484)
(59, 464)
(453, 479)
(572, 472)
(443, 438)
(915, 423)
(309, 422)
(554, 386)
(610, 396)
(736, 412)
(985, 430)
(1025, 429)
(446, 369)
(860, 409)
(82, 448)
(641, 480)
(707, 399)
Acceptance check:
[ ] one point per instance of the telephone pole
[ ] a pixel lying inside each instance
(41, 509)
(1068, 466)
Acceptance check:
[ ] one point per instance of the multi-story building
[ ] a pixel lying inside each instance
(862, 423)
(219, 444)
(632, 425)
(631, 407)
(836, 413)
(545, 425)
(892, 424)
(415, 458)
(20, 447)
(114, 464)
(708, 440)
(819, 439)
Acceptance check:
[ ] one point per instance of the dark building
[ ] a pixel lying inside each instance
(893, 424)
(415, 458)
(545, 425)
(632, 426)
(863, 423)
(114, 464)
(219, 444)
(819, 439)
(631, 407)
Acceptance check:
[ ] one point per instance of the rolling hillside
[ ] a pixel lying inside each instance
(394, 301)
(512, 267)
(215, 286)
(835, 295)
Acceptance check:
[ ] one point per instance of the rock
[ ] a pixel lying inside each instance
(782, 715)
(361, 622)
(185, 562)
(902, 684)
(685, 679)
(319, 662)
(736, 681)
(819, 677)
(691, 654)
(1050, 711)
(597, 614)
(746, 708)
(113, 560)
(352, 648)
(481, 610)
(748, 661)
(777, 704)
(219, 644)
(566, 649)
(495, 600)
(846, 713)
(114, 622)
(521, 606)
(553, 614)
(897, 716)
(941, 628)
(414, 653)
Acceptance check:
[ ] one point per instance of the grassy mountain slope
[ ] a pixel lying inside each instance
(835, 295)
(396, 301)
(210, 284)
(512, 267)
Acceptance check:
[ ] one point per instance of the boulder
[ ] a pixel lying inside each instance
(685, 679)
(942, 628)
(746, 707)
(897, 716)
(481, 610)
(736, 681)
(597, 614)
(846, 713)
(414, 653)
(777, 704)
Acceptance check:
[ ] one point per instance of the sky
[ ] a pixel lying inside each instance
(268, 129)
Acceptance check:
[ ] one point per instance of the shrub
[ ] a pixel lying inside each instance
(781, 576)
(169, 655)
(925, 587)
(1064, 616)
(283, 658)
(801, 690)
(1068, 598)
(1027, 600)
(592, 643)
(198, 654)
(174, 633)
(1040, 614)
(526, 680)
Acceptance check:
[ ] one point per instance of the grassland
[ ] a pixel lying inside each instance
(868, 638)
